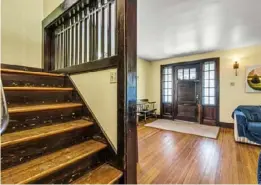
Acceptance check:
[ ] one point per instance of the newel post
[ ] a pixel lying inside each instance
(127, 87)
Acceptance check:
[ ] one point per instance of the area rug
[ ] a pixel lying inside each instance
(186, 127)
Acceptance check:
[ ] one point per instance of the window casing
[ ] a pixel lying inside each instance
(209, 83)
(167, 85)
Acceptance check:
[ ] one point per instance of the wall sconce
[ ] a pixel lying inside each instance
(236, 66)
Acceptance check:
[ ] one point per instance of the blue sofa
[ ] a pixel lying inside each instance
(249, 126)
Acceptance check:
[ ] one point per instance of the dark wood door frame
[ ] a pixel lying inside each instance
(127, 88)
(205, 109)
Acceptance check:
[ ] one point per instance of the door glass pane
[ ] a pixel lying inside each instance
(212, 101)
(170, 85)
(169, 77)
(212, 66)
(180, 74)
(206, 92)
(186, 74)
(169, 99)
(206, 75)
(193, 74)
(212, 83)
(212, 75)
(169, 92)
(212, 92)
(205, 100)
(206, 83)
(165, 99)
(206, 67)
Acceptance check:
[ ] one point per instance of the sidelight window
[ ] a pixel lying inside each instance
(167, 84)
(209, 86)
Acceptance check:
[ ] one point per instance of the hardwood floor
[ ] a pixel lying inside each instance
(170, 157)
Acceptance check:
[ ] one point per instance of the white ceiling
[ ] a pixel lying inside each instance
(169, 28)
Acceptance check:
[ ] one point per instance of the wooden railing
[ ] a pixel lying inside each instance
(86, 32)
(91, 35)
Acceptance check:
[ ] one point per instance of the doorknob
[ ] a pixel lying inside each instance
(197, 98)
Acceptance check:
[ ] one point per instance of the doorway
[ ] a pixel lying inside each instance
(186, 92)
(190, 91)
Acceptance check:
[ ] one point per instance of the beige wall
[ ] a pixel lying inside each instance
(101, 96)
(50, 5)
(230, 96)
(143, 80)
(21, 32)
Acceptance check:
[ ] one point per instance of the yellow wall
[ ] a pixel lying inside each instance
(230, 96)
(50, 5)
(143, 80)
(101, 96)
(21, 32)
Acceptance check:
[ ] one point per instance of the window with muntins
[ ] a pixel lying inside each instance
(187, 74)
(167, 89)
(209, 86)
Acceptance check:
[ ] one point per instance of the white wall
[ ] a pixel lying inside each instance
(143, 80)
(50, 5)
(230, 96)
(101, 96)
(21, 32)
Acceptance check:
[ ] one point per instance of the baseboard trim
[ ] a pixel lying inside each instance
(21, 68)
(226, 125)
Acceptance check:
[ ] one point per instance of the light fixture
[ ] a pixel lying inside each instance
(236, 66)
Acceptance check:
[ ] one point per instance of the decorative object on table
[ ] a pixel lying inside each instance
(253, 79)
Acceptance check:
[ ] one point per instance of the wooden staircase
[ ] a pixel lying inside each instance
(52, 136)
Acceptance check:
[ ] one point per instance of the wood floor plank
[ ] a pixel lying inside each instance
(33, 108)
(37, 89)
(38, 133)
(104, 174)
(171, 157)
(43, 166)
(30, 73)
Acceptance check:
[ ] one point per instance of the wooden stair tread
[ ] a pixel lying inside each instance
(46, 165)
(45, 131)
(37, 89)
(31, 73)
(104, 174)
(32, 108)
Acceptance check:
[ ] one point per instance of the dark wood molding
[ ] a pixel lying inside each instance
(127, 88)
(217, 82)
(59, 11)
(191, 62)
(226, 125)
(97, 65)
(21, 68)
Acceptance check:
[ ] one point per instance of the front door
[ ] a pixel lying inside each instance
(187, 92)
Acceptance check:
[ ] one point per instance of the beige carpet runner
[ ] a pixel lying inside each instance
(186, 127)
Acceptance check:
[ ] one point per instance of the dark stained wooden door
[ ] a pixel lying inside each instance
(187, 92)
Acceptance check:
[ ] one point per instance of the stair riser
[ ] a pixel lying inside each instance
(23, 152)
(15, 98)
(29, 120)
(15, 80)
(72, 172)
